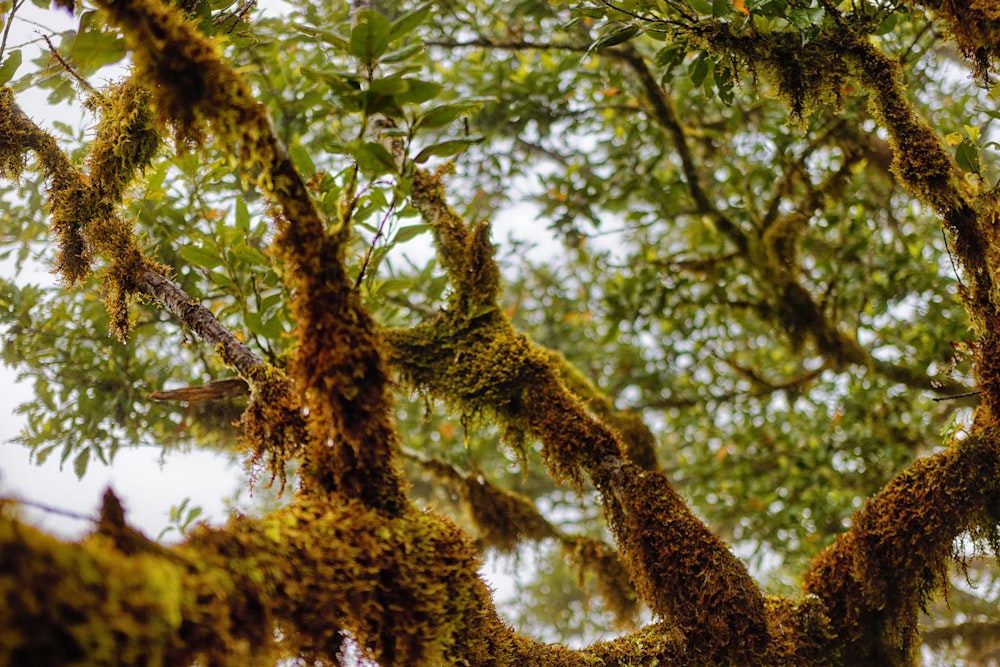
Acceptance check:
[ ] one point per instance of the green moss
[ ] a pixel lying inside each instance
(273, 426)
(126, 140)
(877, 577)
(467, 253)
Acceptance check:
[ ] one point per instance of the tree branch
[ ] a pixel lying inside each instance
(680, 568)
(876, 577)
(338, 366)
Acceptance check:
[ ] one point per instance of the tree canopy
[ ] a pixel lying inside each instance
(746, 415)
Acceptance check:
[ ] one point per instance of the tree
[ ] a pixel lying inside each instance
(778, 290)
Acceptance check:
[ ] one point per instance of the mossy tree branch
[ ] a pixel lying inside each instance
(472, 358)
(504, 519)
(405, 589)
(338, 364)
(877, 577)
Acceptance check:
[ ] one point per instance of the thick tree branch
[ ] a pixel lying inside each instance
(668, 551)
(405, 589)
(338, 365)
(877, 576)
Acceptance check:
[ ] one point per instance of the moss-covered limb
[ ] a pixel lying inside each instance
(800, 637)
(924, 166)
(338, 364)
(639, 441)
(465, 252)
(84, 219)
(503, 519)
(814, 74)
(877, 576)
(682, 571)
(476, 362)
(273, 427)
(91, 603)
(406, 588)
(975, 25)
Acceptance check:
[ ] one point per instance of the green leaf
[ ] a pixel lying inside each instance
(335, 40)
(302, 159)
(444, 114)
(701, 6)
(669, 56)
(447, 148)
(242, 216)
(406, 23)
(402, 54)
(93, 49)
(372, 158)
(250, 256)
(699, 69)
(617, 35)
(409, 232)
(206, 259)
(967, 156)
(418, 91)
(270, 329)
(80, 463)
(370, 35)
(9, 66)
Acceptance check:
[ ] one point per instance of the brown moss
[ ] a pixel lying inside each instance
(876, 578)
(83, 210)
(273, 427)
(800, 632)
(15, 139)
(658, 644)
(671, 553)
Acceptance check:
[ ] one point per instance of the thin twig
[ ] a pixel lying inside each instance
(66, 66)
(48, 508)
(6, 30)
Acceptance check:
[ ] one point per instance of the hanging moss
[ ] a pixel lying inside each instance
(273, 427)
(975, 26)
(808, 76)
(126, 140)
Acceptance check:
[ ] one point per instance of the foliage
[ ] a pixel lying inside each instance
(775, 289)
